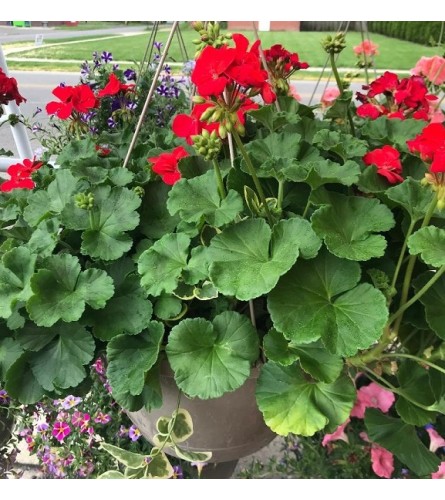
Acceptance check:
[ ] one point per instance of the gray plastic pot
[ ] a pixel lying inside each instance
(231, 427)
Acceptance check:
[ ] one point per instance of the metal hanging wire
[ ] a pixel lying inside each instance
(151, 92)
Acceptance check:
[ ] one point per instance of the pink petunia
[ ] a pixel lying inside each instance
(382, 461)
(372, 396)
(338, 435)
(436, 440)
(440, 474)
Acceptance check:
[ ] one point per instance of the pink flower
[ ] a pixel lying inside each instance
(382, 461)
(436, 441)
(293, 92)
(372, 396)
(435, 114)
(432, 68)
(329, 96)
(61, 430)
(367, 48)
(81, 420)
(440, 474)
(338, 435)
(102, 418)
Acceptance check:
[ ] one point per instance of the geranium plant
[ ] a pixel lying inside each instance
(256, 234)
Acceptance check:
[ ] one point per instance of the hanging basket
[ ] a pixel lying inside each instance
(231, 427)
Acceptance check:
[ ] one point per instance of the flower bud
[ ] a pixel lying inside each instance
(197, 99)
(222, 131)
(197, 25)
(139, 190)
(207, 114)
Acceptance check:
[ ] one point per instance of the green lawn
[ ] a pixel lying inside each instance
(395, 54)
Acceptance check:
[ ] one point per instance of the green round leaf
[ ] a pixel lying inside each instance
(130, 358)
(61, 290)
(21, 384)
(207, 203)
(248, 258)
(319, 298)
(209, 359)
(16, 270)
(429, 242)
(402, 440)
(433, 300)
(162, 264)
(114, 213)
(348, 226)
(412, 196)
(60, 364)
(292, 403)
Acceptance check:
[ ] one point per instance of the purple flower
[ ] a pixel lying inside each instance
(42, 427)
(132, 106)
(123, 431)
(130, 74)
(94, 130)
(158, 45)
(188, 67)
(177, 472)
(4, 398)
(134, 433)
(70, 401)
(162, 90)
(111, 122)
(167, 68)
(115, 67)
(106, 56)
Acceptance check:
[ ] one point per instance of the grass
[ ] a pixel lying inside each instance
(394, 54)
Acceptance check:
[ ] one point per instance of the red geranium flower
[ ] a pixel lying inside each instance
(387, 161)
(189, 125)
(80, 98)
(209, 74)
(9, 90)
(428, 142)
(114, 86)
(166, 165)
(20, 175)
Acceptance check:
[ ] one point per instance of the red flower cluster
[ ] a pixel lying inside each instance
(20, 175)
(430, 144)
(387, 161)
(9, 90)
(219, 68)
(114, 86)
(187, 126)
(80, 98)
(283, 63)
(406, 98)
(166, 165)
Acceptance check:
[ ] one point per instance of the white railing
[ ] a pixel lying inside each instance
(18, 131)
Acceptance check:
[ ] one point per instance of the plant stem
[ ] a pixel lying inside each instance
(252, 172)
(280, 194)
(417, 296)
(410, 268)
(415, 358)
(219, 179)
(306, 208)
(341, 90)
(252, 312)
(402, 254)
(394, 389)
